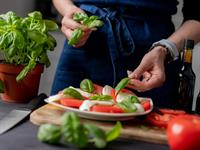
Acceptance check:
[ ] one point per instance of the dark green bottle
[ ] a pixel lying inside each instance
(187, 78)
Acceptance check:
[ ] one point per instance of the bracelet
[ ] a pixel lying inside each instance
(170, 47)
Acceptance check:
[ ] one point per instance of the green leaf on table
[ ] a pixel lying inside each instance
(122, 84)
(73, 131)
(114, 133)
(97, 135)
(49, 133)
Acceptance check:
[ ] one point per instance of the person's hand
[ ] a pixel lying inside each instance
(151, 71)
(69, 25)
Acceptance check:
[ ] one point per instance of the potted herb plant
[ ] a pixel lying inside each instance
(24, 46)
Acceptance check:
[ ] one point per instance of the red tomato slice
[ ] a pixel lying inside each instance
(172, 111)
(158, 120)
(97, 89)
(146, 104)
(128, 91)
(71, 102)
(106, 109)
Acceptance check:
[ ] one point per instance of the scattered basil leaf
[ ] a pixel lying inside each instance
(73, 131)
(49, 133)
(114, 133)
(72, 93)
(87, 85)
(97, 135)
(122, 84)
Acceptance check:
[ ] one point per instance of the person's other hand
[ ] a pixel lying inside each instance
(69, 25)
(151, 71)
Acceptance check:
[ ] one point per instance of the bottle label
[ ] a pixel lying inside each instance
(188, 56)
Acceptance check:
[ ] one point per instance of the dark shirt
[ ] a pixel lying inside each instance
(191, 10)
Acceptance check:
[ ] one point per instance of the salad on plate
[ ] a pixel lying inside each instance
(91, 98)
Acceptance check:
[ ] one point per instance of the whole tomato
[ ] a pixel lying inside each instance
(184, 132)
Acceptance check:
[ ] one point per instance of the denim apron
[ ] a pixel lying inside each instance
(116, 47)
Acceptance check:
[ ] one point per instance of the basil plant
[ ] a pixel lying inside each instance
(26, 41)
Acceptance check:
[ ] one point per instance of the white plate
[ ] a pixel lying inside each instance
(100, 115)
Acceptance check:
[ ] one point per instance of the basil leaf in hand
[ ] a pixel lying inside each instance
(89, 22)
(87, 85)
(122, 84)
(76, 36)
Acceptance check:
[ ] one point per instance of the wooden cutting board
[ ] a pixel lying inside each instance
(132, 129)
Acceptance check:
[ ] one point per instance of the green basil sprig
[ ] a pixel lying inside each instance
(101, 97)
(128, 104)
(80, 134)
(91, 22)
(87, 85)
(122, 84)
(72, 93)
(26, 41)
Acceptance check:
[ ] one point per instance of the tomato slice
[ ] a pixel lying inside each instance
(97, 89)
(158, 120)
(71, 102)
(172, 111)
(106, 109)
(146, 104)
(127, 91)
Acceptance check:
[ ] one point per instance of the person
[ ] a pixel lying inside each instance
(130, 28)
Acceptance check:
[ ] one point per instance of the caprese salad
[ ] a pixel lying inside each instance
(94, 98)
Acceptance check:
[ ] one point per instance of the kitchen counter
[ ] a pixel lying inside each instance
(23, 137)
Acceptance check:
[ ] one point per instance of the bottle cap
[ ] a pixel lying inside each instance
(189, 44)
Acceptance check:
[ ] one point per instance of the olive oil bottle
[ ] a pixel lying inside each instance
(187, 78)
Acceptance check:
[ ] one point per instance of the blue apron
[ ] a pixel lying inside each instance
(116, 47)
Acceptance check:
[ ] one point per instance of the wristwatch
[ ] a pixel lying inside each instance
(172, 51)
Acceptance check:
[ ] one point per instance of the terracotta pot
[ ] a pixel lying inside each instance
(22, 91)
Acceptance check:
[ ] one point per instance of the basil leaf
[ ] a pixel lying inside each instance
(114, 133)
(128, 104)
(72, 93)
(2, 88)
(122, 84)
(87, 85)
(80, 17)
(101, 97)
(76, 36)
(26, 40)
(49, 133)
(73, 131)
(97, 135)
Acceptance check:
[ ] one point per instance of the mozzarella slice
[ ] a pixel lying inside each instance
(107, 90)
